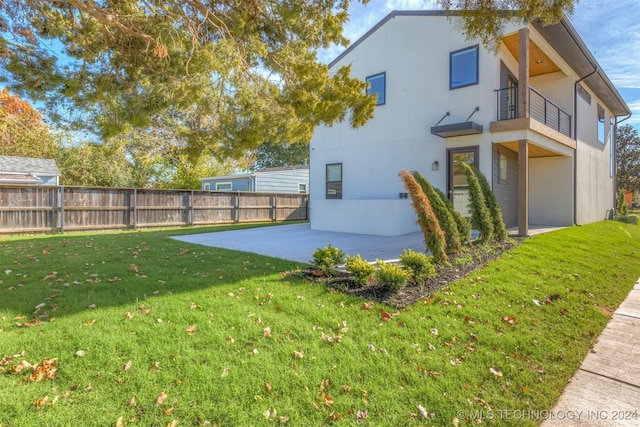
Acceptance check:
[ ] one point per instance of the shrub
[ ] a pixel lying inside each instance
(499, 230)
(433, 235)
(480, 216)
(622, 208)
(327, 259)
(629, 219)
(392, 275)
(361, 270)
(418, 264)
(463, 224)
(442, 212)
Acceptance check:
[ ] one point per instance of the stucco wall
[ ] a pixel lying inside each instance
(550, 191)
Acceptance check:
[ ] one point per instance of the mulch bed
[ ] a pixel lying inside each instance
(459, 266)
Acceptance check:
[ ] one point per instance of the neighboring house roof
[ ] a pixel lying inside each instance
(18, 178)
(266, 170)
(28, 165)
(562, 36)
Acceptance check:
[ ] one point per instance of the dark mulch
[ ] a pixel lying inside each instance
(459, 266)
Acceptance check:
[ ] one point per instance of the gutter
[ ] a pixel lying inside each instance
(575, 137)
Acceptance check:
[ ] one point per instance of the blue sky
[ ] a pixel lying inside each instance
(610, 30)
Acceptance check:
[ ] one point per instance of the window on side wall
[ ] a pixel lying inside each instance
(612, 148)
(302, 188)
(223, 186)
(377, 85)
(504, 164)
(207, 186)
(601, 126)
(463, 67)
(334, 181)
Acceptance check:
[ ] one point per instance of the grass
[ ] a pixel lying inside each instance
(232, 338)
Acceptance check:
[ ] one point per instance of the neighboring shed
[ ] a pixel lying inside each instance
(28, 171)
(293, 179)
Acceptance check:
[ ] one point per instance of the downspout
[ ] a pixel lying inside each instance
(615, 159)
(575, 137)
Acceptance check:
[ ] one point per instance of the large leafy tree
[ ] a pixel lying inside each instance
(273, 154)
(628, 158)
(23, 133)
(245, 70)
(484, 19)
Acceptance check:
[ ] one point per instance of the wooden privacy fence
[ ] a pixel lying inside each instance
(46, 209)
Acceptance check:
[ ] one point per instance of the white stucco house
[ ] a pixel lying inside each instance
(537, 117)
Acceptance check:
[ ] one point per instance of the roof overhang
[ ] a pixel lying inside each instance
(457, 129)
(564, 38)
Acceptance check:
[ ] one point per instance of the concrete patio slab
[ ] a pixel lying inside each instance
(297, 242)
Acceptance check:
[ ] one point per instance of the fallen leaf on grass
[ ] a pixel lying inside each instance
(168, 411)
(270, 413)
(129, 315)
(48, 369)
(434, 331)
(90, 322)
(40, 402)
(80, 353)
(362, 415)
(495, 372)
(126, 366)
(224, 373)
(162, 398)
(298, 354)
(267, 332)
(268, 387)
(133, 268)
(120, 422)
(132, 403)
(325, 399)
(368, 305)
(191, 329)
(384, 315)
(91, 307)
(422, 411)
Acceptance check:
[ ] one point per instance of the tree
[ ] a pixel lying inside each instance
(628, 158)
(484, 19)
(23, 133)
(271, 154)
(246, 71)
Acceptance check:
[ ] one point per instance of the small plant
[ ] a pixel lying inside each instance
(392, 275)
(622, 208)
(418, 264)
(629, 219)
(327, 259)
(361, 270)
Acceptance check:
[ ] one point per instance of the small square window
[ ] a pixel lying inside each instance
(334, 181)
(377, 85)
(463, 67)
(302, 188)
(207, 186)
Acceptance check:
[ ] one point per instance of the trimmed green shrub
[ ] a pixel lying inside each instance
(327, 259)
(480, 216)
(463, 224)
(622, 207)
(361, 270)
(433, 235)
(418, 264)
(442, 212)
(392, 275)
(629, 219)
(499, 230)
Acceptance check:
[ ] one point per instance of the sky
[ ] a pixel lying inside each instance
(609, 29)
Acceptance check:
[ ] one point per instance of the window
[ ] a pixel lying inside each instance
(302, 188)
(502, 178)
(207, 186)
(334, 181)
(612, 148)
(223, 186)
(601, 124)
(377, 85)
(463, 67)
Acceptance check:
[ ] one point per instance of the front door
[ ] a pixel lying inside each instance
(458, 187)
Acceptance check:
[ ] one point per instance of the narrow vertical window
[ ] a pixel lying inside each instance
(334, 181)
(377, 86)
(502, 179)
(601, 127)
(463, 67)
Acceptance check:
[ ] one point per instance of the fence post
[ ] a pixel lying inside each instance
(135, 208)
(62, 209)
(237, 207)
(275, 207)
(192, 209)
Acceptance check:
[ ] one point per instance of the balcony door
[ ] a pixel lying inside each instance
(457, 185)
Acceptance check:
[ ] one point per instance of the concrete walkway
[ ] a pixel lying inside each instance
(298, 242)
(605, 391)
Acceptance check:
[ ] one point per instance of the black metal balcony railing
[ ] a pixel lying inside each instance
(540, 108)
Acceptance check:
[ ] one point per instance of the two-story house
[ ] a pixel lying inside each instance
(537, 117)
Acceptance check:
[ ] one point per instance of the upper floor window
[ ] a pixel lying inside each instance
(601, 127)
(463, 67)
(377, 85)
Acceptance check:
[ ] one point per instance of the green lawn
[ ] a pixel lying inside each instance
(205, 336)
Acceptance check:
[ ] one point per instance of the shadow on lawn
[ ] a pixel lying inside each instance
(55, 276)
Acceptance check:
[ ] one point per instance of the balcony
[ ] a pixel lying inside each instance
(540, 109)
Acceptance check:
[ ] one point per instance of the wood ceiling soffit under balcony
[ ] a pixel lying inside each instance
(539, 62)
(534, 150)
